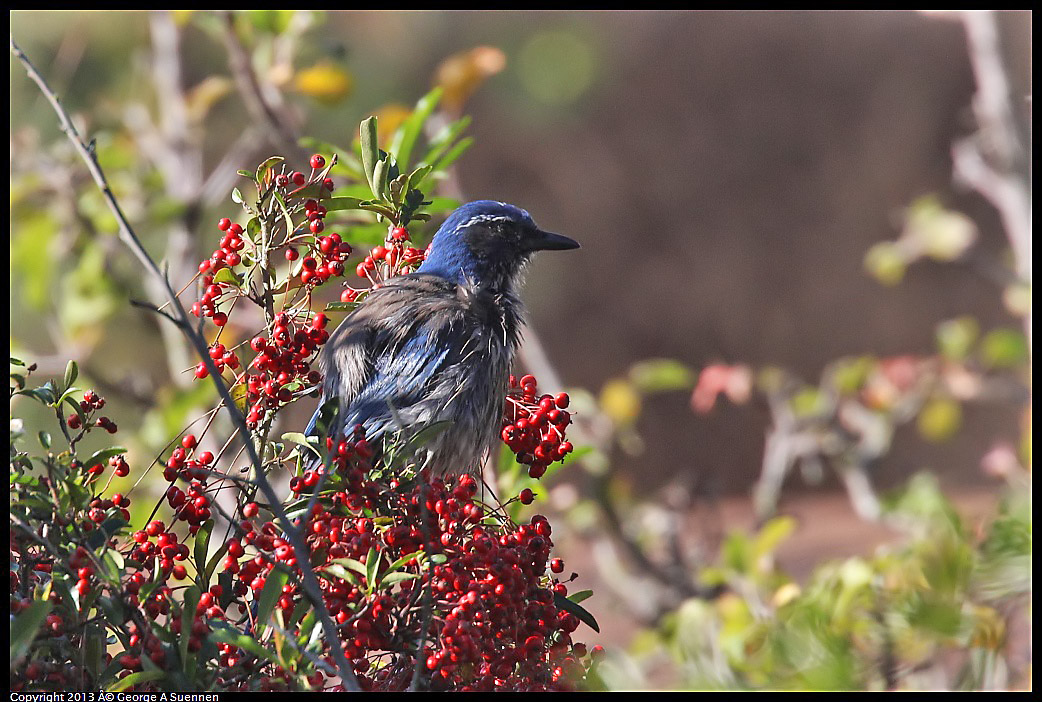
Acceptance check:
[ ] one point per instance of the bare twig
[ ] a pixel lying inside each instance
(262, 112)
(130, 238)
(994, 161)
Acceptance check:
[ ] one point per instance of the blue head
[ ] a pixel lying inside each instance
(488, 243)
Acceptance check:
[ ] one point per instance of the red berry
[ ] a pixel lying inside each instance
(298, 178)
(201, 371)
(317, 226)
(291, 254)
(317, 161)
(526, 497)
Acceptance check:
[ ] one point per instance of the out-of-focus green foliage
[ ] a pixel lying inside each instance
(887, 621)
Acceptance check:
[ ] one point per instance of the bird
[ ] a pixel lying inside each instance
(437, 345)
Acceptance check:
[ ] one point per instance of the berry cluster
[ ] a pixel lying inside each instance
(286, 349)
(492, 624)
(225, 256)
(534, 425)
(413, 571)
(283, 364)
(393, 257)
(83, 420)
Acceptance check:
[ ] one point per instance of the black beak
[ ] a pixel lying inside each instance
(548, 241)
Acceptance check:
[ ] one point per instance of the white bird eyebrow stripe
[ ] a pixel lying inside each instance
(483, 218)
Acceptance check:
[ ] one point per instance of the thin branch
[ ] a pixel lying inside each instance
(249, 87)
(994, 161)
(127, 235)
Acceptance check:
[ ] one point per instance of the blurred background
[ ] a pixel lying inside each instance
(757, 193)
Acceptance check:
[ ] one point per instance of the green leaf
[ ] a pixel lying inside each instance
(372, 562)
(227, 276)
(454, 153)
(297, 437)
(370, 151)
(444, 139)
(380, 171)
(417, 177)
(662, 375)
(211, 565)
(113, 564)
(392, 578)
(403, 560)
(562, 602)
(1004, 348)
(135, 678)
(772, 534)
(405, 138)
(236, 196)
(955, 337)
(25, 626)
(377, 207)
(341, 203)
(45, 393)
(307, 624)
(336, 571)
(45, 440)
(246, 174)
(103, 455)
(263, 168)
(93, 647)
(578, 597)
(71, 373)
(202, 545)
(269, 596)
(188, 607)
(396, 188)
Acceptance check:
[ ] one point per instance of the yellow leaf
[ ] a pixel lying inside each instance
(205, 95)
(620, 400)
(326, 82)
(785, 594)
(461, 74)
(940, 419)
(390, 117)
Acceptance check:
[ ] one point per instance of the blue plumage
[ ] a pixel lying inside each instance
(437, 345)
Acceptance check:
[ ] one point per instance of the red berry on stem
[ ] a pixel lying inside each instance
(317, 161)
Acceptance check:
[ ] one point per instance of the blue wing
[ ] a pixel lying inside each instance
(383, 362)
